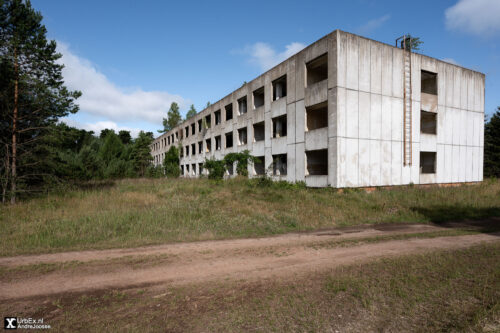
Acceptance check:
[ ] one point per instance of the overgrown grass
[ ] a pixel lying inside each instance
(143, 211)
(441, 291)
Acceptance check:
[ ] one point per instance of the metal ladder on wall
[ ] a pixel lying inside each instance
(407, 99)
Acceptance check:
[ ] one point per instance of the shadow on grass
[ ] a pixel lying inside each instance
(485, 220)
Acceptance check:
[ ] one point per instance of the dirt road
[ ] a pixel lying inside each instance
(280, 257)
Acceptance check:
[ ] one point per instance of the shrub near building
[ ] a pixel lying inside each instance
(171, 163)
(216, 169)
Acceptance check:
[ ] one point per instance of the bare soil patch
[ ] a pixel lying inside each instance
(278, 257)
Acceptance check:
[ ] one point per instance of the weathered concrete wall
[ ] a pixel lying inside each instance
(370, 117)
(293, 106)
(364, 137)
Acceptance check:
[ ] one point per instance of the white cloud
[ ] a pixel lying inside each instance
(266, 57)
(103, 98)
(97, 127)
(479, 17)
(371, 25)
(451, 61)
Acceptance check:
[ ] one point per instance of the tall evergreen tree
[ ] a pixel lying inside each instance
(172, 163)
(125, 137)
(173, 118)
(112, 148)
(105, 132)
(33, 96)
(191, 112)
(492, 146)
(141, 152)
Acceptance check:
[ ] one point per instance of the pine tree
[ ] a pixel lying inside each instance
(104, 133)
(125, 137)
(172, 163)
(191, 113)
(141, 152)
(492, 146)
(33, 96)
(112, 148)
(173, 118)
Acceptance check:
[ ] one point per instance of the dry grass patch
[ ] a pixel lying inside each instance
(137, 212)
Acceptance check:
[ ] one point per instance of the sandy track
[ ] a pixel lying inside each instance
(275, 257)
(223, 245)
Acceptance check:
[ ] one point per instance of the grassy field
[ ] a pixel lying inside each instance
(139, 212)
(441, 291)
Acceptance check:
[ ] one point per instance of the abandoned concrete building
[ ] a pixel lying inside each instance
(346, 111)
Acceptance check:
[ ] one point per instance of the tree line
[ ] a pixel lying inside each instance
(38, 152)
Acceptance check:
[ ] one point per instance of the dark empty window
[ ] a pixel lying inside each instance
(258, 98)
(317, 116)
(217, 117)
(187, 131)
(200, 147)
(200, 125)
(279, 165)
(428, 122)
(258, 132)
(279, 126)
(317, 162)
(187, 150)
(229, 111)
(279, 88)
(229, 140)
(208, 121)
(193, 128)
(242, 136)
(428, 82)
(193, 149)
(317, 69)
(427, 162)
(242, 105)
(218, 142)
(208, 143)
(258, 166)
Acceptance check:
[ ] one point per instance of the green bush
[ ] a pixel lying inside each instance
(154, 171)
(242, 159)
(215, 168)
(171, 163)
(116, 168)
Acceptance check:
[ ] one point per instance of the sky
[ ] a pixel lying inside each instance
(132, 59)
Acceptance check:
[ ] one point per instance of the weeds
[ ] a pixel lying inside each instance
(137, 212)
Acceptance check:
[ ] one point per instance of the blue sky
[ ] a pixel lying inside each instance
(131, 59)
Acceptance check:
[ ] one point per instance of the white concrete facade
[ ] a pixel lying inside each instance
(344, 119)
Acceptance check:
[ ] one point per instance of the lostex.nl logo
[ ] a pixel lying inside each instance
(10, 323)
